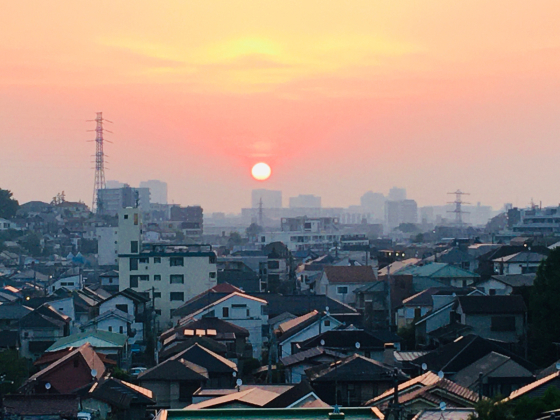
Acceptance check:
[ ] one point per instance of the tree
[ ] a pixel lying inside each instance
(545, 310)
(15, 368)
(234, 239)
(8, 205)
(32, 243)
(253, 230)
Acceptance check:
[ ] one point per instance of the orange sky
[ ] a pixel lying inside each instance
(339, 97)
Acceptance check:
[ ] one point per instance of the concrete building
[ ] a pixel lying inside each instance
(300, 233)
(397, 194)
(305, 201)
(172, 274)
(158, 190)
(111, 200)
(107, 253)
(397, 212)
(191, 218)
(373, 203)
(270, 198)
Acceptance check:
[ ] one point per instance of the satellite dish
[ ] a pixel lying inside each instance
(48, 385)
(239, 382)
(442, 406)
(327, 308)
(440, 374)
(322, 342)
(558, 366)
(424, 366)
(93, 373)
(234, 374)
(357, 345)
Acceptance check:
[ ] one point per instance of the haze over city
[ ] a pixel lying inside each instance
(337, 97)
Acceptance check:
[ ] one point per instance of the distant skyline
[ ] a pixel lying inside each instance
(339, 98)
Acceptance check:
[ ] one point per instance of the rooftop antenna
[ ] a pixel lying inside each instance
(458, 207)
(99, 184)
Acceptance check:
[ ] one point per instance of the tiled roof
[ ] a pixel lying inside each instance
(426, 379)
(309, 354)
(345, 339)
(174, 370)
(522, 257)
(350, 274)
(517, 280)
(288, 325)
(65, 406)
(302, 304)
(437, 270)
(532, 386)
(255, 397)
(98, 338)
(206, 358)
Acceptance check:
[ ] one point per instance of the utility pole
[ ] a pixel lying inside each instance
(99, 183)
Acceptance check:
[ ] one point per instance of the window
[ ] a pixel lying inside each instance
(176, 279)
(175, 261)
(157, 295)
(225, 312)
(342, 290)
(492, 292)
(157, 260)
(144, 260)
(126, 216)
(503, 323)
(133, 281)
(173, 296)
(122, 307)
(110, 329)
(136, 218)
(158, 311)
(212, 259)
(417, 313)
(327, 322)
(110, 281)
(144, 277)
(133, 264)
(157, 277)
(134, 247)
(248, 312)
(212, 275)
(264, 310)
(121, 329)
(273, 265)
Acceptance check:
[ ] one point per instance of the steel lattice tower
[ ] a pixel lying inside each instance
(458, 207)
(99, 183)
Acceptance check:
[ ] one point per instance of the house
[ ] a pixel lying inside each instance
(173, 382)
(296, 364)
(456, 257)
(303, 328)
(351, 381)
(135, 306)
(50, 357)
(237, 308)
(426, 392)
(116, 399)
(500, 318)
(40, 328)
(75, 370)
(220, 370)
(74, 282)
(438, 274)
(177, 346)
(5, 224)
(110, 280)
(507, 284)
(113, 345)
(114, 320)
(233, 337)
(239, 274)
(370, 344)
(41, 406)
(519, 263)
(10, 314)
(275, 322)
(536, 388)
(174, 273)
(340, 282)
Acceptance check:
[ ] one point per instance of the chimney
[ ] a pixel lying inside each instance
(389, 354)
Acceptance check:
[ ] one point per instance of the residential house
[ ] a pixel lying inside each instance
(177, 346)
(134, 305)
(237, 308)
(351, 381)
(110, 281)
(239, 274)
(507, 284)
(11, 313)
(113, 345)
(176, 273)
(438, 274)
(296, 364)
(536, 388)
(220, 370)
(74, 282)
(519, 263)
(424, 392)
(41, 406)
(303, 328)
(370, 344)
(6, 224)
(78, 368)
(173, 382)
(40, 328)
(340, 282)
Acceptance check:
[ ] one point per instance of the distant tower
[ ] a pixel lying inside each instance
(96, 205)
(260, 212)
(458, 207)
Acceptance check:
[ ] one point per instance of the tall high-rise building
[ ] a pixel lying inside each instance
(158, 190)
(270, 199)
(397, 194)
(113, 184)
(397, 212)
(111, 200)
(373, 203)
(305, 201)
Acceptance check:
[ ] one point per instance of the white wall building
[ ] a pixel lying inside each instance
(173, 273)
(107, 253)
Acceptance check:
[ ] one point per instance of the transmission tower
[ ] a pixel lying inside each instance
(99, 184)
(260, 212)
(458, 207)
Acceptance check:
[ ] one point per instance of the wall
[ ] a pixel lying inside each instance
(285, 348)
(112, 303)
(482, 326)
(498, 286)
(107, 245)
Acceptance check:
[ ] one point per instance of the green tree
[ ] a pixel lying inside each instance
(545, 310)
(32, 243)
(492, 409)
(8, 205)
(253, 230)
(234, 239)
(15, 368)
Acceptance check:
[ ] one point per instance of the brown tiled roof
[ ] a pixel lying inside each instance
(350, 274)
(175, 370)
(532, 386)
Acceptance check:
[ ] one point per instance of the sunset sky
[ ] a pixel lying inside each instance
(338, 97)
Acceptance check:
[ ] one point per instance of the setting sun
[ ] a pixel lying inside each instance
(261, 171)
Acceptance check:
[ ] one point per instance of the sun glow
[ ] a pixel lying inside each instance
(261, 171)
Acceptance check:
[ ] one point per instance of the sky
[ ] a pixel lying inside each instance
(338, 97)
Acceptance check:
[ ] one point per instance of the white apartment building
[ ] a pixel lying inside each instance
(172, 274)
(107, 249)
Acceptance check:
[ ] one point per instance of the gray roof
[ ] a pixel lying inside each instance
(13, 311)
(517, 280)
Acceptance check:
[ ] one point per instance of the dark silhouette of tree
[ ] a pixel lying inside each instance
(545, 311)
(8, 205)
